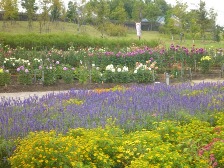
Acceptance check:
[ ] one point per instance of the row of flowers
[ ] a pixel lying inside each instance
(51, 72)
(165, 58)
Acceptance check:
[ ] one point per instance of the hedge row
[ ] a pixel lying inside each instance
(64, 41)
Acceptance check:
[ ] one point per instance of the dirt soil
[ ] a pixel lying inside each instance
(60, 86)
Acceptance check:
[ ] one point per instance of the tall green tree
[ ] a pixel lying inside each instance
(72, 11)
(45, 9)
(152, 12)
(55, 11)
(128, 6)
(163, 6)
(212, 20)
(180, 11)
(119, 14)
(10, 8)
(43, 17)
(203, 20)
(138, 12)
(192, 24)
(99, 9)
(31, 7)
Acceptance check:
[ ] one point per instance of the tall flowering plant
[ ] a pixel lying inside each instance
(144, 73)
(25, 76)
(4, 77)
(205, 63)
(67, 73)
(119, 74)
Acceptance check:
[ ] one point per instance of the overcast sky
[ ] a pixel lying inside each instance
(217, 5)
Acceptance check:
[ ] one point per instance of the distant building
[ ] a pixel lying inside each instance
(161, 20)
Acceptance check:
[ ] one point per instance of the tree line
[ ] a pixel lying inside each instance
(177, 19)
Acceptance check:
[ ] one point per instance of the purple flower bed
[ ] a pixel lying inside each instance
(135, 108)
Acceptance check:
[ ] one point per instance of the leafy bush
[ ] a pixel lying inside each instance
(115, 30)
(5, 77)
(50, 75)
(6, 150)
(66, 73)
(25, 76)
(82, 74)
(64, 41)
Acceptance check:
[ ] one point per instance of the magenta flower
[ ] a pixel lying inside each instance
(18, 69)
(26, 70)
(57, 62)
(22, 68)
(65, 68)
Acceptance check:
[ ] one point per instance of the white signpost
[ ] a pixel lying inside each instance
(138, 29)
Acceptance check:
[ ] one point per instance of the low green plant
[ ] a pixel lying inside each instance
(143, 76)
(25, 76)
(5, 77)
(115, 30)
(65, 72)
(96, 75)
(205, 64)
(6, 150)
(50, 75)
(82, 74)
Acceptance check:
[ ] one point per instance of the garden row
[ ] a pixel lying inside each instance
(97, 65)
(141, 126)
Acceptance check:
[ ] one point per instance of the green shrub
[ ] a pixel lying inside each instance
(64, 41)
(50, 76)
(143, 76)
(115, 30)
(65, 72)
(6, 150)
(82, 74)
(5, 77)
(25, 76)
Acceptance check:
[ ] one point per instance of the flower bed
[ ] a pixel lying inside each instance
(140, 126)
(97, 65)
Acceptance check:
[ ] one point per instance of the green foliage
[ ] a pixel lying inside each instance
(6, 150)
(205, 64)
(25, 77)
(65, 72)
(115, 30)
(82, 74)
(108, 76)
(143, 76)
(50, 76)
(96, 76)
(5, 78)
(65, 41)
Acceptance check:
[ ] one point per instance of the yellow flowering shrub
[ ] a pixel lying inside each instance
(170, 144)
(205, 64)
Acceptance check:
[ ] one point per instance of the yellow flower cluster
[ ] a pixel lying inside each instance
(169, 144)
(1, 70)
(206, 58)
(116, 88)
(72, 101)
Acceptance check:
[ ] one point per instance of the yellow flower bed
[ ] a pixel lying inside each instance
(169, 144)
